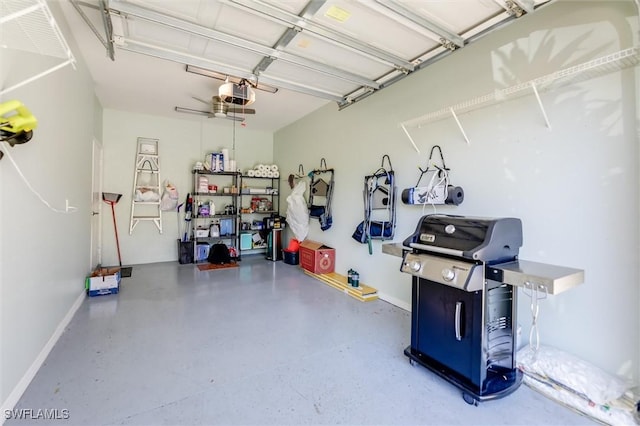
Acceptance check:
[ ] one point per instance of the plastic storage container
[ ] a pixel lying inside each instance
(290, 257)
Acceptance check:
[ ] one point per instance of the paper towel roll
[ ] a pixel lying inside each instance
(274, 168)
(232, 165)
(269, 174)
(276, 174)
(251, 173)
(225, 153)
(455, 195)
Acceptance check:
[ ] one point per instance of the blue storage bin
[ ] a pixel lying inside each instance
(202, 251)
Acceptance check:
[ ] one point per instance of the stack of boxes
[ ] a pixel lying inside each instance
(216, 159)
(221, 161)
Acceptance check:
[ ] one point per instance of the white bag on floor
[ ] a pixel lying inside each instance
(576, 383)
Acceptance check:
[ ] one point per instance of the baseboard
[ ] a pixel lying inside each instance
(21, 387)
(395, 301)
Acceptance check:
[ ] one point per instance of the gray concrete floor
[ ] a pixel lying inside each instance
(259, 344)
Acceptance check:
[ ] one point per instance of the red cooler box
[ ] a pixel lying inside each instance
(316, 257)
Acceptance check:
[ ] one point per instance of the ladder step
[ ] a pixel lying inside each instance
(148, 146)
(149, 203)
(146, 217)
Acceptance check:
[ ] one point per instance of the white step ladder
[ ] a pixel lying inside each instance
(145, 201)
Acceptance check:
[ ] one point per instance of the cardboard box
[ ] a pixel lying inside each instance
(103, 281)
(316, 257)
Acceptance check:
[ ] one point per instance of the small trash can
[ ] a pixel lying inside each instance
(185, 252)
(290, 257)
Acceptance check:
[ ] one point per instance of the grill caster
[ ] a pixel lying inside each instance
(412, 362)
(469, 399)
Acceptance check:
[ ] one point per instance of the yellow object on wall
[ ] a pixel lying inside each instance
(16, 123)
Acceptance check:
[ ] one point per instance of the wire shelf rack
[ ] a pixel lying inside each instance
(28, 25)
(607, 64)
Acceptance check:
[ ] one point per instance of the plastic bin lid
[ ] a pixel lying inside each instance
(294, 245)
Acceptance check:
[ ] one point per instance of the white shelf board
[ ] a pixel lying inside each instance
(28, 25)
(595, 68)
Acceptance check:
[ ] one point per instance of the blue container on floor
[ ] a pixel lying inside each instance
(290, 257)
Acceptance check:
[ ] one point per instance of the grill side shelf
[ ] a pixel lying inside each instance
(395, 249)
(544, 277)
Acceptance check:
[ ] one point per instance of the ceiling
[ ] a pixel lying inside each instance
(310, 53)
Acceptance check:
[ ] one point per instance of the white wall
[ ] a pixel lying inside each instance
(181, 144)
(574, 187)
(44, 256)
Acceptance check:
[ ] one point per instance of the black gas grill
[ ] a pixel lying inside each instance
(463, 323)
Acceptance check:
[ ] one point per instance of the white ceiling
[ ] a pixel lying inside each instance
(315, 52)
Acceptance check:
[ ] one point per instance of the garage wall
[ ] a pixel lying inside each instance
(44, 255)
(575, 187)
(181, 143)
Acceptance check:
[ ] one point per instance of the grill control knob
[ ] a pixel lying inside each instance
(415, 265)
(448, 274)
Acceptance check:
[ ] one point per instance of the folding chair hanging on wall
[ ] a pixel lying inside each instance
(379, 206)
(320, 194)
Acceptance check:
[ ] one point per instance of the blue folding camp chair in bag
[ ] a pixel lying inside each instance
(379, 206)
(320, 194)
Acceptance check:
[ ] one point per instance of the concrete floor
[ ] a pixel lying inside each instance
(259, 344)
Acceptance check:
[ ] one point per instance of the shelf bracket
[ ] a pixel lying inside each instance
(410, 138)
(544, 113)
(455, 117)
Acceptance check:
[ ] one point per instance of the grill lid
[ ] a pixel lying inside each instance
(485, 239)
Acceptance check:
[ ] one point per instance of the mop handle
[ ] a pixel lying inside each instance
(115, 227)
